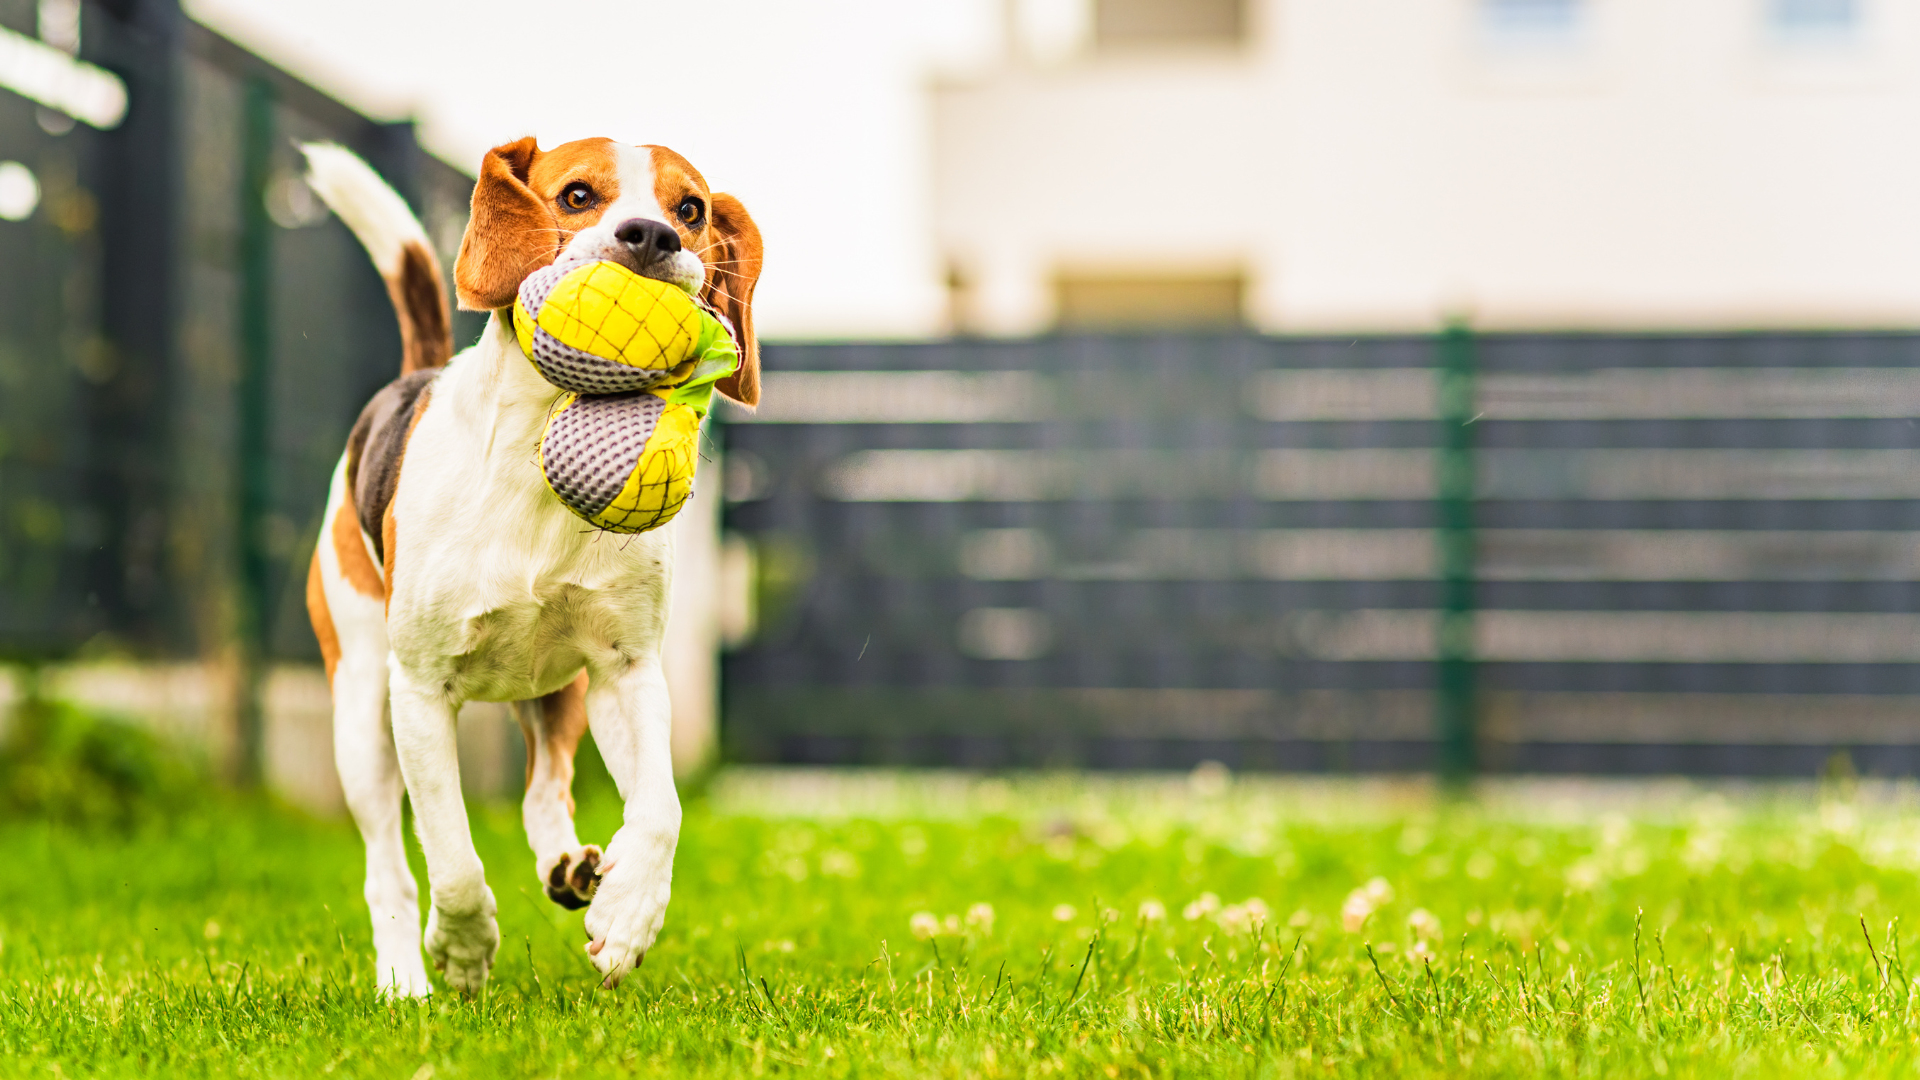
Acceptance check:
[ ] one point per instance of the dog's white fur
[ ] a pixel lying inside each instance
(375, 212)
(498, 593)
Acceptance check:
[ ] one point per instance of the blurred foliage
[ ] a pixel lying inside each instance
(65, 764)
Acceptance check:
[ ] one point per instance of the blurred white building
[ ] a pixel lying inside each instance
(1335, 165)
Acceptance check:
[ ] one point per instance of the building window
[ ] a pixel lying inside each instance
(1127, 24)
(1814, 20)
(1531, 22)
(1134, 302)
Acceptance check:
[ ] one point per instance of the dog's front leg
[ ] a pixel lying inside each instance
(461, 934)
(632, 724)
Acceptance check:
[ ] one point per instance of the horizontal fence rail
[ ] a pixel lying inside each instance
(1572, 552)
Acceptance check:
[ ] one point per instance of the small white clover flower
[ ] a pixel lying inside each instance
(980, 918)
(1064, 912)
(1257, 909)
(1422, 952)
(924, 925)
(1424, 924)
(950, 926)
(1379, 892)
(1234, 919)
(1355, 912)
(1206, 905)
(1152, 911)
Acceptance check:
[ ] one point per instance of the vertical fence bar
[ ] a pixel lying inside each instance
(1456, 691)
(252, 437)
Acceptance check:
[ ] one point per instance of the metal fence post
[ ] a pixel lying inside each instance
(253, 435)
(1456, 692)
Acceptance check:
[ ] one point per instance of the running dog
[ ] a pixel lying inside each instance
(448, 572)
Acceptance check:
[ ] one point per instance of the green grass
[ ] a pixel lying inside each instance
(1688, 935)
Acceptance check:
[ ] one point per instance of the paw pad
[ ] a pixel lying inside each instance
(574, 878)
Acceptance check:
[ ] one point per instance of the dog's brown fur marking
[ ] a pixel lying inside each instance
(515, 228)
(733, 268)
(322, 616)
(563, 721)
(377, 444)
(726, 240)
(426, 327)
(350, 550)
(387, 530)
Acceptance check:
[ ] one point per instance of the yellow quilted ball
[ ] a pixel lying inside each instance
(600, 328)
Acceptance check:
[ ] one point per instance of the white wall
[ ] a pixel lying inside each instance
(1380, 164)
(691, 652)
(811, 111)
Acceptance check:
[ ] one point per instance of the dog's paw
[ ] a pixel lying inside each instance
(573, 877)
(402, 979)
(462, 947)
(631, 904)
(397, 967)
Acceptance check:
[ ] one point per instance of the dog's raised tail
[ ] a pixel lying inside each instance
(398, 245)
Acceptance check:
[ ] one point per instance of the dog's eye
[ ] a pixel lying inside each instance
(576, 196)
(691, 210)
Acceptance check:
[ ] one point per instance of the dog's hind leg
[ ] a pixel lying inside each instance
(553, 725)
(343, 597)
(370, 779)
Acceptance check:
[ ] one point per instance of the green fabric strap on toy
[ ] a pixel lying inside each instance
(638, 359)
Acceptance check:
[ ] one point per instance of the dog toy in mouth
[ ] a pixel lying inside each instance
(639, 358)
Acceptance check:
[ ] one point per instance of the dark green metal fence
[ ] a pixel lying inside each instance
(185, 337)
(1602, 553)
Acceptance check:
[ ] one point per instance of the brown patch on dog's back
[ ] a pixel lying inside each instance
(322, 616)
(376, 445)
(387, 531)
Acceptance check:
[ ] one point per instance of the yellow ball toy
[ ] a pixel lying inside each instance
(638, 359)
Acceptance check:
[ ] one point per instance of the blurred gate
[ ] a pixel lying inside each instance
(1511, 552)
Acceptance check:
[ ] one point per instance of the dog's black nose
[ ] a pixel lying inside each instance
(647, 237)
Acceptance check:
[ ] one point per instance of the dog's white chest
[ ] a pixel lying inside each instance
(523, 630)
(499, 590)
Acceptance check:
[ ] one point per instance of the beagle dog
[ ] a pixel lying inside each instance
(448, 572)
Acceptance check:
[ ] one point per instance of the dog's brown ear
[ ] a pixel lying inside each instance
(510, 234)
(733, 267)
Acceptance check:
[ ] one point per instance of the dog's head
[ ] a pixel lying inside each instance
(644, 207)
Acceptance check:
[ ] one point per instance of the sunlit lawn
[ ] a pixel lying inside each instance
(1104, 928)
